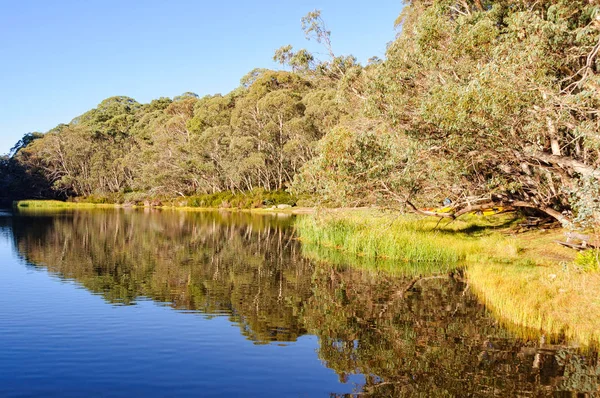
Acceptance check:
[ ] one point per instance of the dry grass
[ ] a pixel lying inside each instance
(556, 299)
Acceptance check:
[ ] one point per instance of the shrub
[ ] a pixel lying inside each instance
(245, 200)
(588, 260)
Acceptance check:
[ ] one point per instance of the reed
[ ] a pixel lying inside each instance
(406, 239)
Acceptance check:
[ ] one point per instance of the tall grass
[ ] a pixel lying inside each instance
(405, 239)
(57, 204)
(558, 300)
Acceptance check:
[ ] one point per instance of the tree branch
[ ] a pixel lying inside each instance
(565, 162)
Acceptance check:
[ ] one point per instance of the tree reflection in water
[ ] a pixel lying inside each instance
(408, 335)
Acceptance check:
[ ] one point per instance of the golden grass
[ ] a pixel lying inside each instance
(557, 299)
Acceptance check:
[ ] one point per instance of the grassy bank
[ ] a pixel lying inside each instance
(526, 280)
(53, 205)
(256, 198)
(558, 299)
(57, 204)
(408, 238)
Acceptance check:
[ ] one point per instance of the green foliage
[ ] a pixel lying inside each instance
(256, 198)
(588, 260)
(585, 201)
(348, 163)
(24, 142)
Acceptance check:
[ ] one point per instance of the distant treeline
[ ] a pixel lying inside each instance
(475, 101)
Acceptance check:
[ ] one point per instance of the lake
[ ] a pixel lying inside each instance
(129, 302)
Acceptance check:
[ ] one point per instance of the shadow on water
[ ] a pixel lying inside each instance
(408, 335)
(5, 222)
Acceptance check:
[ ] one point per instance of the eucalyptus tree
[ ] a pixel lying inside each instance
(506, 89)
(479, 100)
(268, 120)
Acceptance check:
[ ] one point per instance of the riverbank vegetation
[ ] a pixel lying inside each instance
(272, 202)
(382, 235)
(525, 279)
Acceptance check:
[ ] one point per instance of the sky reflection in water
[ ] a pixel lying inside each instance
(216, 304)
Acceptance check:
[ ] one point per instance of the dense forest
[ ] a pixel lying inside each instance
(478, 101)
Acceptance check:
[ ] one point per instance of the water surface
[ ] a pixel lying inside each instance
(151, 303)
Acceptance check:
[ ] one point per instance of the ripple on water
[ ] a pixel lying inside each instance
(117, 303)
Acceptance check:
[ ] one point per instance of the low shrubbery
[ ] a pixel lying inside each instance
(256, 198)
(588, 260)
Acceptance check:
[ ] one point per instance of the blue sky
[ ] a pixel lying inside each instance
(61, 58)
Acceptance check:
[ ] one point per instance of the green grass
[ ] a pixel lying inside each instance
(56, 205)
(255, 199)
(407, 239)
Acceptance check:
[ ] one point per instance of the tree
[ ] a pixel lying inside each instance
(24, 142)
(500, 89)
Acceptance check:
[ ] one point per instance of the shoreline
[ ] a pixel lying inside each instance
(59, 205)
(502, 267)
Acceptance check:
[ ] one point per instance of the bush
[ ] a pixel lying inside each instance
(588, 260)
(107, 198)
(273, 198)
(247, 200)
(135, 198)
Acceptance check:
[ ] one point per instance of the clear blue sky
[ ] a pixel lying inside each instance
(61, 58)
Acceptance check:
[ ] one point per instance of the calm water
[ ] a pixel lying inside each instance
(147, 303)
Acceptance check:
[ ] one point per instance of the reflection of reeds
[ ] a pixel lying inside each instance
(522, 280)
(337, 258)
